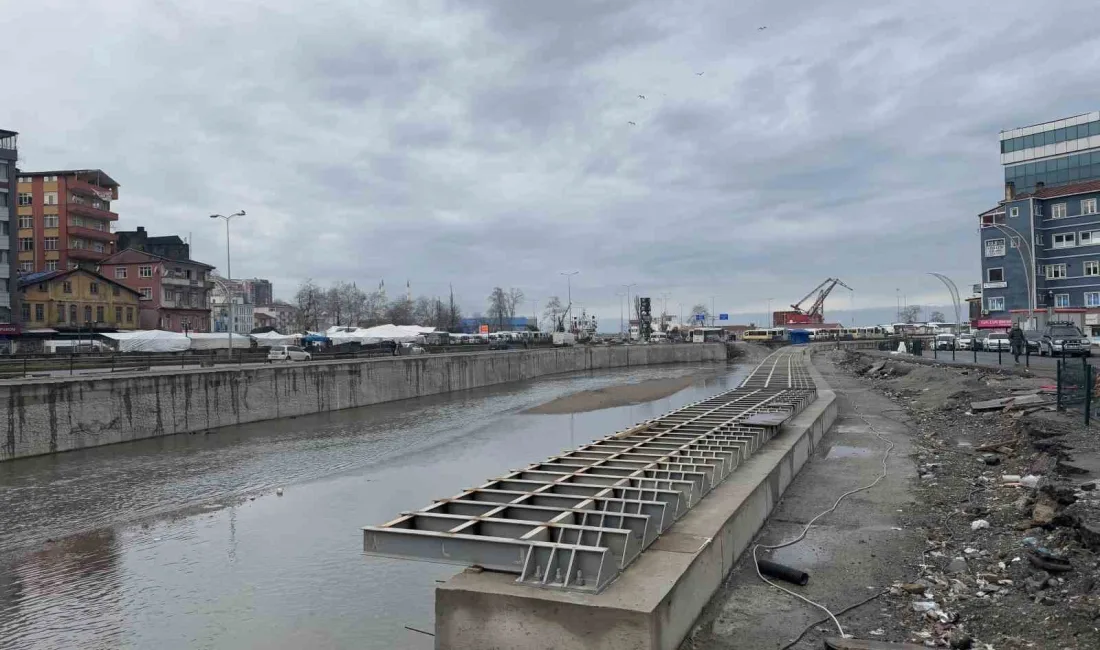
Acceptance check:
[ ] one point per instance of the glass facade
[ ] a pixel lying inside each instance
(1054, 171)
(1050, 137)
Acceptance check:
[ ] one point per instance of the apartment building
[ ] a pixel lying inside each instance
(174, 293)
(9, 308)
(64, 219)
(77, 301)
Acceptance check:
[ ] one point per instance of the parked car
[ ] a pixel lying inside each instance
(500, 345)
(1064, 338)
(1033, 337)
(945, 341)
(979, 340)
(288, 353)
(997, 341)
(965, 341)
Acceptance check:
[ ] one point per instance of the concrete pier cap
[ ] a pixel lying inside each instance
(653, 604)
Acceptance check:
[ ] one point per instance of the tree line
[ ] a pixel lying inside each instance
(345, 304)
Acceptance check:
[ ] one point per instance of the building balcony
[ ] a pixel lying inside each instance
(181, 280)
(86, 254)
(91, 190)
(92, 233)
(76, 207)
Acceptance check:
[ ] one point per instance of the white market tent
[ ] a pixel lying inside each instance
(272, 339)
(218, 341)
(399, 333)
(149, 341)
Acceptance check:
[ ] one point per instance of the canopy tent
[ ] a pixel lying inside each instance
(149, 341)
(271, 339)
(399, 333)
(218, 341)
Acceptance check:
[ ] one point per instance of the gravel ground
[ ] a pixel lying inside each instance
(1009, 562)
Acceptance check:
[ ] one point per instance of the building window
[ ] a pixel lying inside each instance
(1038, 209)
(49, 198)
(995, 303)
(1058, 211)
(72, 314)
(120, 272)
(66, 287)
(42, 288)
(50, 221)
(26, 221)
(1088, 206)
(1064, 240)
(61, 312)
(995, 275)
(40, 312)
(1056, 271)
(1061, 300)
(26, 312)
(1014, 211)
(93, 287)
(1014, 242)
(1092, 268)
(87, 314)
(145, 271)
(99, 315)
(146, 293)
(115, 290)
(129, 314)
(50, 243)
(1092, 298)
(5, 230)
(994, 247)
(166, 295)
(26, 243)
(25, 198)
(118, 314)
(1088, 238)
(26, 267)
(51, 265)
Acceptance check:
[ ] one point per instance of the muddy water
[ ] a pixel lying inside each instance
(182, 543)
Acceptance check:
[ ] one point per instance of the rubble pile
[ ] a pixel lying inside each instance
(1009, 502)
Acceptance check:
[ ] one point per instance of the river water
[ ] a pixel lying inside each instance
(181, 542)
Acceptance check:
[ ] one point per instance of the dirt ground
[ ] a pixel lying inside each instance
(985, 535)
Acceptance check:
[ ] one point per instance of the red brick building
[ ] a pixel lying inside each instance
(64, 219)
(174, 293)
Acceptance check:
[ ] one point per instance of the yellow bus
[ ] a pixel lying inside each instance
(765, 335)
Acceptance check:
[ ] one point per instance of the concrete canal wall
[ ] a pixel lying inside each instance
(44, 416)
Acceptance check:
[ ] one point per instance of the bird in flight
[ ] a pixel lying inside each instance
(698, 74)
(760, 29)
(632, 124)
(641, 96)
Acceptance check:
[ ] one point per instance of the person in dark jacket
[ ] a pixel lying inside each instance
(1017, 342)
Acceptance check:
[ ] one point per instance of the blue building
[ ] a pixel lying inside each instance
(517, 324)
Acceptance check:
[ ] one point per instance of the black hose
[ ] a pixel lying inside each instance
(775, 570)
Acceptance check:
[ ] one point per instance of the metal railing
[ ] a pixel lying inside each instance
(576, 521)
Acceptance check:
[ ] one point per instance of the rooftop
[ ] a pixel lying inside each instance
(1084, 187)
(1042, 127)
(101, 177)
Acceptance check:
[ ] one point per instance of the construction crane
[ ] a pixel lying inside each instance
(815, 314)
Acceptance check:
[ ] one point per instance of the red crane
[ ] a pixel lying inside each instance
(815, 315)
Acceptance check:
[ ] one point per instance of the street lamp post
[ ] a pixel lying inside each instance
(229, 274)
(629, 306)
(769, 320)
(1029, 264)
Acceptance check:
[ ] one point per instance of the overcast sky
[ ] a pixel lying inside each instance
(490, 143)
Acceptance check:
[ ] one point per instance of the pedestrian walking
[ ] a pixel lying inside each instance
(1017, 342)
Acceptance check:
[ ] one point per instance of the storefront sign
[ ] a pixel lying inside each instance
(995, 285)
(483, 329)
(1092, 319)
(9, 329)
(991, 323)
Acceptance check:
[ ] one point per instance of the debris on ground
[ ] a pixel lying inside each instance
(1007, 496)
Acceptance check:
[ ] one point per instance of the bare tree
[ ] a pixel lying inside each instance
(937, 317)
(453, 313)
(515, 299)
(554, 313)
(910, 313)
(400, 312)
(498, 306)
(309, 299)
(700, 309)
(423, 312)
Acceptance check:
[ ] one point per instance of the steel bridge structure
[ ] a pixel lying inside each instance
(576, 521)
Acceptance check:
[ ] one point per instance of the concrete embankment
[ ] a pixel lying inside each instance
(62, 414)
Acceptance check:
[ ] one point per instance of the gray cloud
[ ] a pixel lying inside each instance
(488, 143)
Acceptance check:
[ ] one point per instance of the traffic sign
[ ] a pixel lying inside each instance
(723, 316)
(700, 317)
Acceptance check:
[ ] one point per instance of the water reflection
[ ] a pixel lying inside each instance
(213, 569)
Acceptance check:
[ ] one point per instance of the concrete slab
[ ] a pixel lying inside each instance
(655, 602)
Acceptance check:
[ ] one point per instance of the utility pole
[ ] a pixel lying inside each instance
(569, 295)
(629, 305)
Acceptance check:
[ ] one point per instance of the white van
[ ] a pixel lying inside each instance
(288, 353)
(658, 337)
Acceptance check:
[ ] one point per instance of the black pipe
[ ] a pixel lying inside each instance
(775, 570)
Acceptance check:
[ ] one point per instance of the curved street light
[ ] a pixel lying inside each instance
(229, 275)
(955, 300)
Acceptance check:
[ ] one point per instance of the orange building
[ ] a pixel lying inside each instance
(64, 219)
